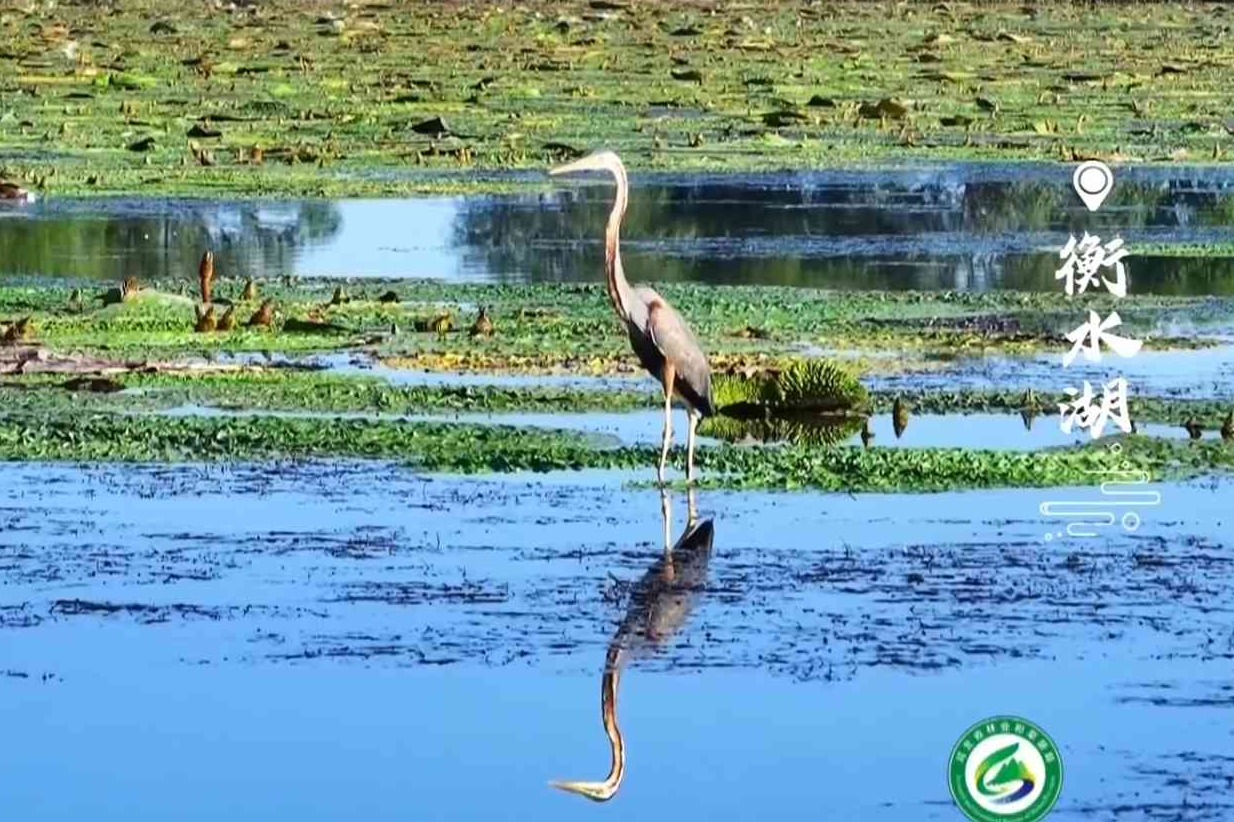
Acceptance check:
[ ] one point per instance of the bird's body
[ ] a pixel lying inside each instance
(1227, 427)
(206, 321)
(899, 417)
(227, 322)
(663, 341)
(19, 332)
(250, 291)
(483, 326)
(691, 371)
(443, 323)
(15, 193)
(263, 317)
(1194, 429)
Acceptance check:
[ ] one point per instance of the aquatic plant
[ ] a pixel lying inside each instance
(467, 92)
(802, 386)
(468, 448)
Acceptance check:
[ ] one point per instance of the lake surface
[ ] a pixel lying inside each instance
(969, 228)
(332, 641)
(352, 640)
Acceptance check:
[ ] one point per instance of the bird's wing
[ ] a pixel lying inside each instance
(674, 339)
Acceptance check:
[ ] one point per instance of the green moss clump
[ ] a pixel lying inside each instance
(802, 386)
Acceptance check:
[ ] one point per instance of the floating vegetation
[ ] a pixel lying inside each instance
(291, 390)
(779, 395)
(566, 328)
(467, 448)
(801, 387)
(275, 123)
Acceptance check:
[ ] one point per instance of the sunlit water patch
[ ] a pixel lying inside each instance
(969, 227)
(1203, 373)
(232, 614)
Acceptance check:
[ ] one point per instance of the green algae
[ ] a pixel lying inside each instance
(283, 390)
(567, 328)
(393, 98)
(571, 328)
(464, 448)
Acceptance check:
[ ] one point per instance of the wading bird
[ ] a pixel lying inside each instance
(18, 332)
(263, 317)
(483, 326)
(660, 603)
(899, 417)
(661, 339)
(338, 297)
(206, 321)
(205, 277)
(15, 193)
(227, 322)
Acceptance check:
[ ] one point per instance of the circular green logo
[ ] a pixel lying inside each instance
(1005, 769)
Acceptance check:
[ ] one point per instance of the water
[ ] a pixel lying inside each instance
(330, 641)
(327, 641)
(1192, 374)
(970, 228)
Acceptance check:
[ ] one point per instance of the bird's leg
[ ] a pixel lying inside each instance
(691, 508)
(667, 571)
(690, 448)
(666, 510)
(669, 375)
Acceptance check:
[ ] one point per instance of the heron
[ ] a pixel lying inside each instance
(15, 193)
(205, 276)
(661, 339)
(660, 603)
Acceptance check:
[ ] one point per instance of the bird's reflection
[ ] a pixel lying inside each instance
(660, 603)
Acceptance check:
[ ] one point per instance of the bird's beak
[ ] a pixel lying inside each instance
(587, 163)
(595, 791)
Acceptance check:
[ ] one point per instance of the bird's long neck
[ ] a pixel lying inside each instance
(618, 287)
(606, 790)
(608, 713)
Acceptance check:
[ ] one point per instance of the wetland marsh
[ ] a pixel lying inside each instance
(197, 525)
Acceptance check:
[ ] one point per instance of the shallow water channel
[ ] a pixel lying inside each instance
(968, 227)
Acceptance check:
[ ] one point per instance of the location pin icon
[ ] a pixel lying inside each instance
(1093, 181)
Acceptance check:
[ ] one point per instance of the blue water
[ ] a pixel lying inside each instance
(967, 227)
(331, 642)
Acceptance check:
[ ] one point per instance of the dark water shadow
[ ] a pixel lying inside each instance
(157, 238)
